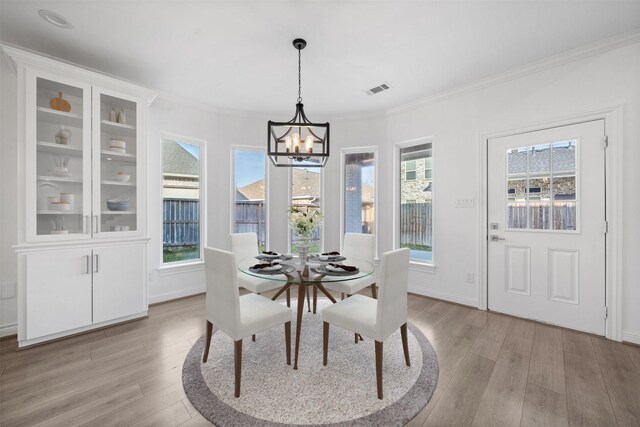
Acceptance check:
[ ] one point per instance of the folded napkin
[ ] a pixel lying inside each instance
(344, 267)
(331, 253)
(260, 266)
(269, 253)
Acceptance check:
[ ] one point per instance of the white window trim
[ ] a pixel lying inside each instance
(360, 150)
(232, 180)
(423, 266)
(191, 264)
(322, 207)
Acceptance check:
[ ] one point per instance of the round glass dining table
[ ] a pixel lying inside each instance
(313, 274)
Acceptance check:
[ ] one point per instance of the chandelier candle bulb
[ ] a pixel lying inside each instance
(287, 142)
(308, 142)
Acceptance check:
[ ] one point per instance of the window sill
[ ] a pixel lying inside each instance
(181, 267)
(422, 267)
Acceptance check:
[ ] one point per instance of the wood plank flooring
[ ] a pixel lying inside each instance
(494, 370)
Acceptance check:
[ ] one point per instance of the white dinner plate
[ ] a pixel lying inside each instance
(272, 268)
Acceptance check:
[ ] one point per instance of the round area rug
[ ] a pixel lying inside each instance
(343, 393)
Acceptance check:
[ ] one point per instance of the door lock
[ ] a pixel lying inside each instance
(495, 238)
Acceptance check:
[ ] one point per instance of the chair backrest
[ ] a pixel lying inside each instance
(223, 297)
(359, 246)
(392, 295)
(244, 245)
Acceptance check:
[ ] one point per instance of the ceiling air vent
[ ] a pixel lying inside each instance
(377, 89)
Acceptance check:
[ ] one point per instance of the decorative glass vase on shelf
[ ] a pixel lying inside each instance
(304, 221)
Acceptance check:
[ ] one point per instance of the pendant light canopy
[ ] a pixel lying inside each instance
(298, 139)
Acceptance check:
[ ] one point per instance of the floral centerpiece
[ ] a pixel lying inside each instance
(304, 221)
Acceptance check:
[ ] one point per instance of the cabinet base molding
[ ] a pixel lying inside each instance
(24, 344)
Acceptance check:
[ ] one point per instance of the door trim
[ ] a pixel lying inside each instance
(613, 207)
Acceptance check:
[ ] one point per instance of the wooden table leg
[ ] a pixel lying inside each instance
(302, 290)
(284, 288)
(324, 291)
(315, 299)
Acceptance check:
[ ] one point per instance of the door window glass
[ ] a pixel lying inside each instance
(541, 186)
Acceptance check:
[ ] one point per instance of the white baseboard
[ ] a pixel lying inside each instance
(175, 295)
(7, 330)
(444, 296)
(631, 336)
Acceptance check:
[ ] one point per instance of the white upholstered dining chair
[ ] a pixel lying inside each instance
(359, 246)
(245, 245)
(375, 319)
(235, 315)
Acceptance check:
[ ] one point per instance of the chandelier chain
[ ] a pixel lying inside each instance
(299, 75)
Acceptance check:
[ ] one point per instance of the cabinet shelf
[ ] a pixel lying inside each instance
(59, 117)
(59, 179)
(119, 183)
(118, 212)
(53, 148)
(50, 212)
(112, 155)
(118, 128)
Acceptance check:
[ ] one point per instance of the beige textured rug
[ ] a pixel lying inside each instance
(341, 393)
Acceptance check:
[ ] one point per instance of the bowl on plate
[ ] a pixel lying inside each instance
(122, 177)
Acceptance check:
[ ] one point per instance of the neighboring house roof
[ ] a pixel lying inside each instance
(306, 183)
(564, 159)
(253, 191)
(177, 160)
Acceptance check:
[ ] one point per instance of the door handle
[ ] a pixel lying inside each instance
(86, 265)
(495, 238)
(86, 224)
(96, 261)
(95, 225)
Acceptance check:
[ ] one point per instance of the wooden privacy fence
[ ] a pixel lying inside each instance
(250, 217)
(181, 224)
(564, 216)
(416, 224)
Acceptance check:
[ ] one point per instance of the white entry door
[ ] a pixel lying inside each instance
(546, 225)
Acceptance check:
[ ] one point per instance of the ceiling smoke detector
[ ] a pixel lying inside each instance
(54, 18)
(377, 89)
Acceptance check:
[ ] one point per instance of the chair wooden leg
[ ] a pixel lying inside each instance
(253, 337)
(315, 299)
(325, 342)
(237, 357)
(309, 298)
(342, 296)
(405, 344)
(208, 341)
(379, 367)
(374, 291)
(288, 297)
(287, 340)
(356, 337)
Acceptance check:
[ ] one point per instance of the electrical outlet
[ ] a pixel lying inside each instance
(468, 277)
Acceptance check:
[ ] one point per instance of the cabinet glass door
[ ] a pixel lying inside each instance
(116, 190)
(58, 158)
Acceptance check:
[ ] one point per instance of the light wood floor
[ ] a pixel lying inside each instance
(494, 370)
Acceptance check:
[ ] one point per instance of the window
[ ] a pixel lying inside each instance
(415, 214)
(359, 192)
(181, 200)
(250, 194)
(306, 191)
(410, 170)
(541, 187)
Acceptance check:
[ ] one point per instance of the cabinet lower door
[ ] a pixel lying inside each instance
(58, 291)
(118, 282)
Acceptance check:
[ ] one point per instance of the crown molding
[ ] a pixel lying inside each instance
(554, 61)
(20, 56)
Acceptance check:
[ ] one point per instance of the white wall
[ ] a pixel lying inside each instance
(8, 198)
(454, 122)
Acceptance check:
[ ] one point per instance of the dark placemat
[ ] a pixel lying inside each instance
(283, 270)
(322, 270)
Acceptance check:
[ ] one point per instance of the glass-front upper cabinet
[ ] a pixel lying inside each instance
(116, 175)
(58, 154)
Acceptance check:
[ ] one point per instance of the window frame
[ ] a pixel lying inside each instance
(359, 150)
(427, 266)
(414, 170)
(249, 148)
(196, 262)
(322, 205)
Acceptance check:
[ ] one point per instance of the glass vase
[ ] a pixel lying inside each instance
(303, 244)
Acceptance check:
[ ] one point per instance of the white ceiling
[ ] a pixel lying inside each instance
(239, 55)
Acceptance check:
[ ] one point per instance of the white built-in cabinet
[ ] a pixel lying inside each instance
(82, 199)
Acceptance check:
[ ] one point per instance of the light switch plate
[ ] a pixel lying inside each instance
(465, 202)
